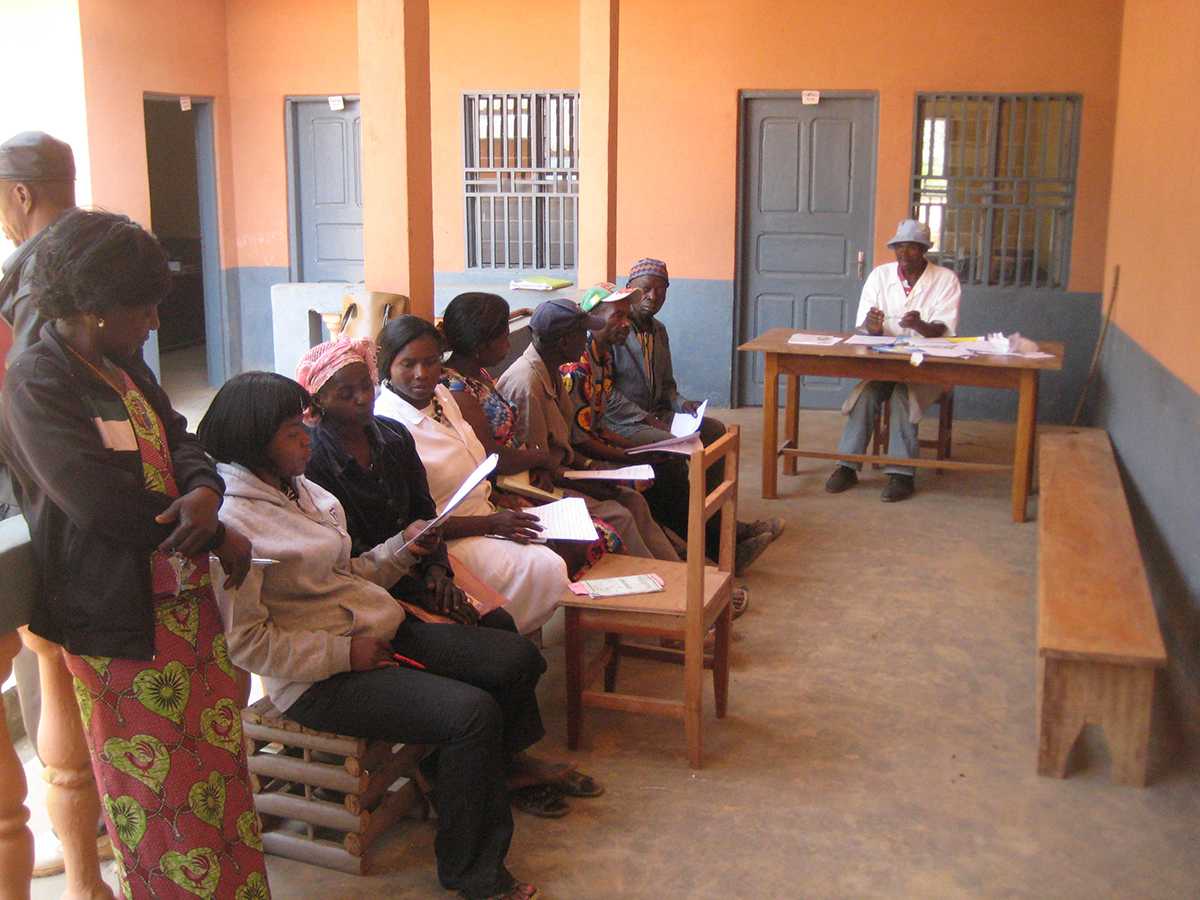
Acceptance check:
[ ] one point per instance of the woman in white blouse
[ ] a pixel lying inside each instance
(492, 542)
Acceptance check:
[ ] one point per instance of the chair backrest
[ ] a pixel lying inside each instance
(364, 317)
(703, 505)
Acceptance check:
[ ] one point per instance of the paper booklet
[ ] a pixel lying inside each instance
(818, 340)
(685, 445)
(618, 587)
(627, 473)
(481, 472)
(564, 520)
(683, 424)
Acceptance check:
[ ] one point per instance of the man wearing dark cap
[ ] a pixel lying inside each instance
(532, 384)
(37, 185)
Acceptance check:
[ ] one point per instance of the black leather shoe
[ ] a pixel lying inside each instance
(842, 479)
(899, 487)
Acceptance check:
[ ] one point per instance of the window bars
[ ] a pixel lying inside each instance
(994, 178)
(521, 179)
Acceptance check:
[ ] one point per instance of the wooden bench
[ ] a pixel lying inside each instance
(338, 788)
(1098, 639)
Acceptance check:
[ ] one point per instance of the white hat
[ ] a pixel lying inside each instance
(910, 231)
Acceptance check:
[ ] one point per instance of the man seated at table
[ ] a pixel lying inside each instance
(911, 296)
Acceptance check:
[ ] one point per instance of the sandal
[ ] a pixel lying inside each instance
(540, 800)
(740, 601)
(576, 784)
(518, 890)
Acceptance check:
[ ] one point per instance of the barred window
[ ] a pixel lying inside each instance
(994, 178)
(521, 180)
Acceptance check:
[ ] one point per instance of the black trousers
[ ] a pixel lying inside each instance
(476, 702)
(668, 496)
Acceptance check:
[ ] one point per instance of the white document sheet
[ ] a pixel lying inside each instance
(618, 587)
(627, 473)
(565, 520)
(870, 340)
(682, 424)
(685, 445)
(481, 472)
(819, 340)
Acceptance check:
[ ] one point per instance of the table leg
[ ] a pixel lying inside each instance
(791, 424)
(16, 840)
(770, 435)
(1023, 452)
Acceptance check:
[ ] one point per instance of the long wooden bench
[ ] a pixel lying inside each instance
(1099, 644)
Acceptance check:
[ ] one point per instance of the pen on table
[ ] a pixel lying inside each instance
(406, 661)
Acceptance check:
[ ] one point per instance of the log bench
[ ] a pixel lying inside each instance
(1099, 644)
(325, 798)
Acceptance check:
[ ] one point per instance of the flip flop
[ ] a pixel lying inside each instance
(576, 784)
(540, 800)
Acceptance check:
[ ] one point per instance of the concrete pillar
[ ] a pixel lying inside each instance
(598, 40)
(397, 159)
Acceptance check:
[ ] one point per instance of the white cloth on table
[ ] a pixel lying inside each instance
(533, 577)
(936, 296)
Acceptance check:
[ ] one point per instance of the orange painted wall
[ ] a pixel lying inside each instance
(278, 48)
(681, 67)
(475, 46)
(1155, 214)
(130, 48)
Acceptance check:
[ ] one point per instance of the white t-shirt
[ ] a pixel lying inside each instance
(936, 296)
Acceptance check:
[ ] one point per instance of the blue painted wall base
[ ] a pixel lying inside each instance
(1153, 419)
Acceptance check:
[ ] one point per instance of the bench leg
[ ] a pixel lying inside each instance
(1118, 698)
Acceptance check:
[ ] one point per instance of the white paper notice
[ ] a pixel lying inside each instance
(628, 473)
(481, 472)
(682, 424)
(565, 520)
(871, 340)
(816, 340)
(337, 102)
(185, 103)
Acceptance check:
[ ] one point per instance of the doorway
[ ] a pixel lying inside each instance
(325, 189)
(183, 214)
(806, 201)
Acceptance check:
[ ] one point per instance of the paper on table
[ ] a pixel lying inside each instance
(820, 340)
(618, 587)
(871, 339)
(481, 472)
(683, 424)
(564, 520)
(685, 445)
(628, 473)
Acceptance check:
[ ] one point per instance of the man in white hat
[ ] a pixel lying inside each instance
(911, 296)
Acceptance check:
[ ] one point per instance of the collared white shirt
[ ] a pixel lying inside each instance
(936, 296)
(449, 450)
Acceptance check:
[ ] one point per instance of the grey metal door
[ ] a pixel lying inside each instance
(328, 191)
(807, 193)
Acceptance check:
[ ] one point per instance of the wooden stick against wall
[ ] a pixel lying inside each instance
(1091, 375)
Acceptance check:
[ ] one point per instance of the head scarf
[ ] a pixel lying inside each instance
(325, 360)
(648, 266)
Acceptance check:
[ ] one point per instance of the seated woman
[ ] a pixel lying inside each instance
(533, 577)
(370, 465)
(321, 628)
(475, 326)
(122, 505)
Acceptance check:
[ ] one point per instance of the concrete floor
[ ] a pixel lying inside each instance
(880, 740)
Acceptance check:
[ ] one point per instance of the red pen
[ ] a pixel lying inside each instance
(405, 661)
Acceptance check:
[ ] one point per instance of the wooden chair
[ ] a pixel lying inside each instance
(941, 446)
(696, 597)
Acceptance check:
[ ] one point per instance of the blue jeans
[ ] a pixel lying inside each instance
(860, 425)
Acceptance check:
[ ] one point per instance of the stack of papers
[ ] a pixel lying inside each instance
(685, 446)
(538, 283)
(682, 424)
(628, 473)
(818, 340)
(871, 340)
(564, 520)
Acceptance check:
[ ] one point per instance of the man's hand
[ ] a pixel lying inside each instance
(654, 422)
(911, 319)
(516, 526)
(368, 653)
(234, 554)
(426, 543)
(873, 323)
(544, 478)
(690, 406)
(196, 516)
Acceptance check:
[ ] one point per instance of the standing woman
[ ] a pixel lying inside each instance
(122, 508)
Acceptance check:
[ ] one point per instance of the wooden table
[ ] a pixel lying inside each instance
(861, 362)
